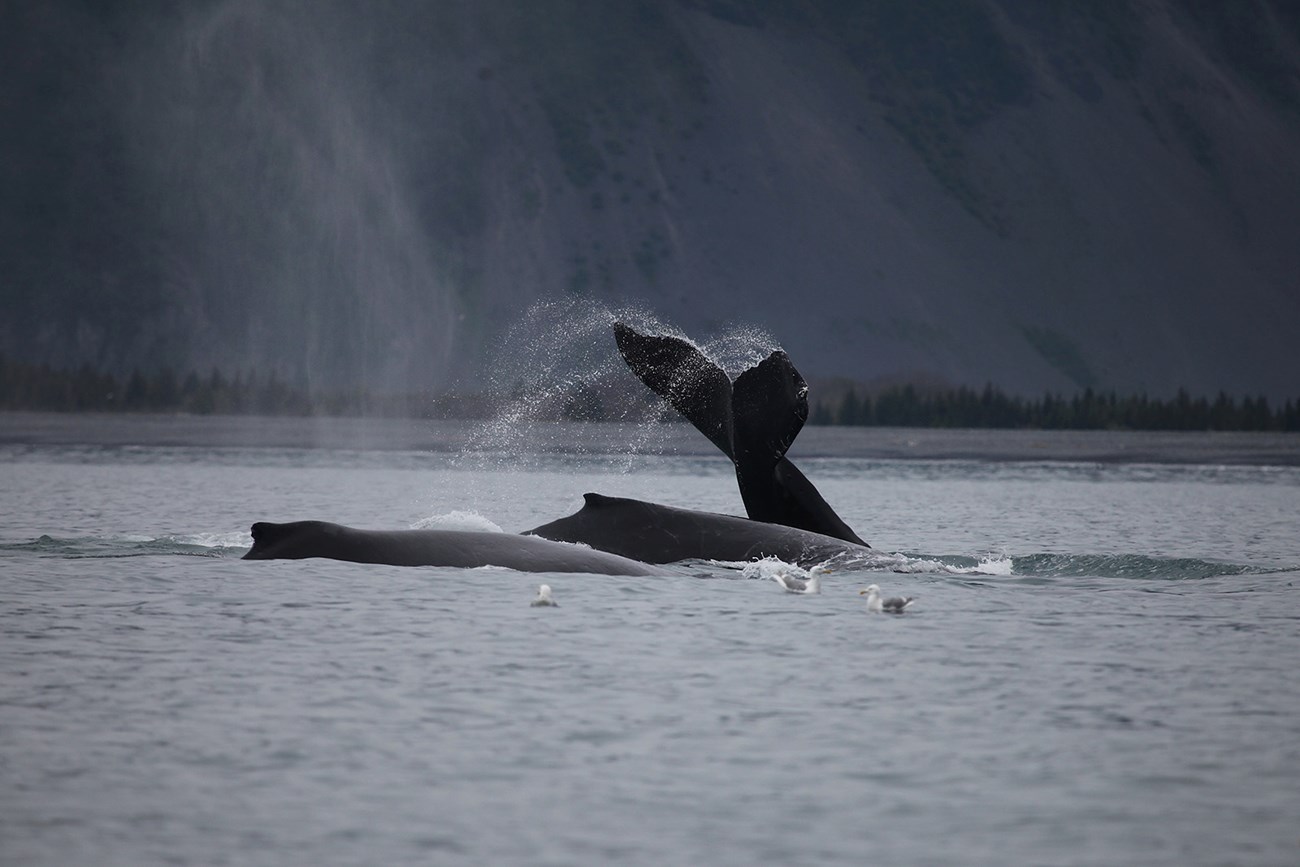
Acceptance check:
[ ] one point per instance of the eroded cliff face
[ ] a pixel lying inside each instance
(1038, 195)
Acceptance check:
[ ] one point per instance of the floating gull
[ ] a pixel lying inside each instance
(811, 584)
(892, 605)
(544, 599)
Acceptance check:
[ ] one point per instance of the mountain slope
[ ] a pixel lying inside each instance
(1041, 195)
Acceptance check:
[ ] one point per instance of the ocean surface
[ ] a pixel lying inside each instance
(1102, 665)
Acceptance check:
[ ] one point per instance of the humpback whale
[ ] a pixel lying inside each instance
(607, 536)
(464, 549)
(753, 421)
(653, 533)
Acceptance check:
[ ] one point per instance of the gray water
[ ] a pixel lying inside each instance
(1100, 668)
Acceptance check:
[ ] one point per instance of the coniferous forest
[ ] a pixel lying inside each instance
(42, 388)
(906, 406)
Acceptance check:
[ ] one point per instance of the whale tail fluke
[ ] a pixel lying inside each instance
(753, 421)
(769, 405)
(684, 377)
(807, 509)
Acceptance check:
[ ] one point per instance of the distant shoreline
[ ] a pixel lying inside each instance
(118, 430)
(38, 388)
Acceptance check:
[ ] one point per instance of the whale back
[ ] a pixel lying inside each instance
(465, 549)
(654, 533)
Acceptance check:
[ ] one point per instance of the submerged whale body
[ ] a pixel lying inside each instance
(753, 421)
(653, 533)
(464, 549)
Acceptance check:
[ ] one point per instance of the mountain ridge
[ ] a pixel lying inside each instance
(1044, 196)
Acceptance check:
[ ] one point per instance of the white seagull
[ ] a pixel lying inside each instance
(892, 605)
(811, 584)
(544, 599)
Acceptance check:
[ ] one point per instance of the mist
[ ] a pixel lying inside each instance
(290, 181)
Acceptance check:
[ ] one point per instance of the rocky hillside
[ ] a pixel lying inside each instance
(1043, 195)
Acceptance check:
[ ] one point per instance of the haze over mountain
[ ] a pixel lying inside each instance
(1044, 195)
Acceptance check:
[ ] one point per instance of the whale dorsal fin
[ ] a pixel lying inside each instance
(593, 500)
(266, 535)
(683, 376)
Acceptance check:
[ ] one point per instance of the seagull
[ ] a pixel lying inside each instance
(892, 605)
(544, 599)
(811, 584)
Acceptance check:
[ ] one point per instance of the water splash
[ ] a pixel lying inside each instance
(559, 363)
(1029, 566)
(769, 567)
(551, 365)
(1053, 566)
(458, 520)
(991, 564)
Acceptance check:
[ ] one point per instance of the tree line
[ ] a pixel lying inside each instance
(43, 388)
(907, 406)
(26, 386)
